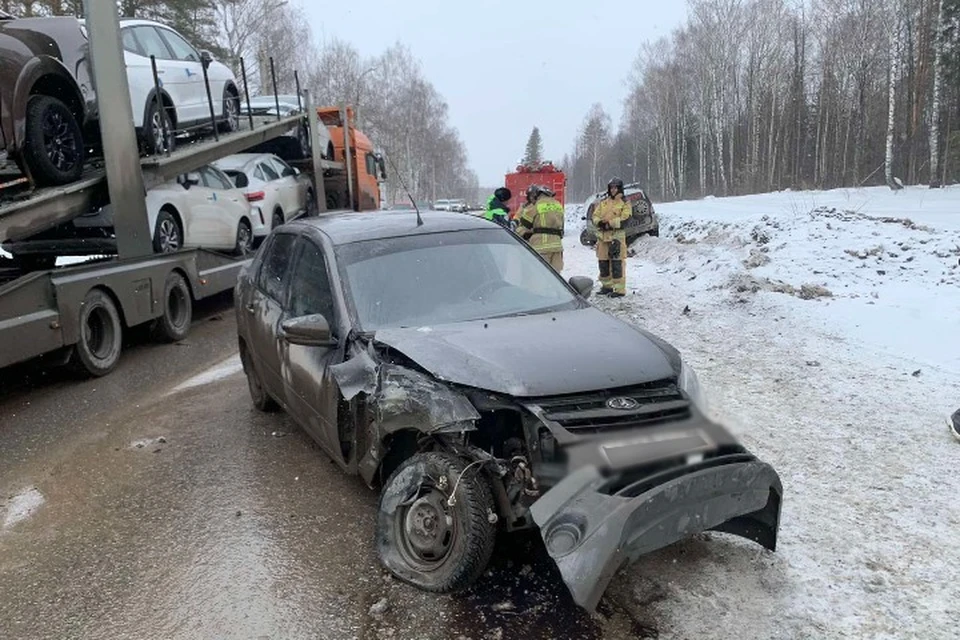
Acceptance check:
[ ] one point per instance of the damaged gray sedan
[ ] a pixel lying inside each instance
(447, 364)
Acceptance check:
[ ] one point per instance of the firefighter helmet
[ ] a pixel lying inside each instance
(617, 183)
(502, 194)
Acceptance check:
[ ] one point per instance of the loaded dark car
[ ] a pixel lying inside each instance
(643, 222)
(448, 364)
(43, 108)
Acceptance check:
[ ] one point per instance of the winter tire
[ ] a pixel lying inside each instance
(244, 244)
(588, 238)
(231, 112)
(100, 335)
(422, 539)
(277, 219)
(174, 324)
(261, 399)
(53, 147)
(167, 234)
(154, 141)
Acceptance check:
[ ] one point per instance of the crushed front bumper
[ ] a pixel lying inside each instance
(593, 524)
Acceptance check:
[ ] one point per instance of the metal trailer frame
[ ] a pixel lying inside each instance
(41, 312)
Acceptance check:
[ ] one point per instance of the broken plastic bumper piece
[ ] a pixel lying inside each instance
(593, 524)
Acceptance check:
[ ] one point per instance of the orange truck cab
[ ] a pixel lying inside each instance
(366, 168)
(544, 174)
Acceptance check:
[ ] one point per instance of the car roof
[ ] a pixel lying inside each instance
(240, 160)
(348, 227)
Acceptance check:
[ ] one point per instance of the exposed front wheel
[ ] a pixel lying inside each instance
(435, 526)
(174, 324)
(100, 335)
(53, 149)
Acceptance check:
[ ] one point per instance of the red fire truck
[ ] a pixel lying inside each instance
(545, 174)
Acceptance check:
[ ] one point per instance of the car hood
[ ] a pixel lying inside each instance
(533, 356)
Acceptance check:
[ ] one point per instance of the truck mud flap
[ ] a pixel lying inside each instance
(592, 525)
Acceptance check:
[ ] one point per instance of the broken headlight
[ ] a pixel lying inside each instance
(690, 385)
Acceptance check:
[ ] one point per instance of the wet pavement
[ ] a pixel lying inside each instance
(157, 503)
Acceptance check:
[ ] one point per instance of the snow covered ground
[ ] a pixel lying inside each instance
(826, 328)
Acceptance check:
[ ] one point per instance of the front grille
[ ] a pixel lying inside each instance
(656, 402)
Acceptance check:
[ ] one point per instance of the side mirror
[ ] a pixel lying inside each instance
(583, 285)
(206, 58)
(191, 179)
(307, 331)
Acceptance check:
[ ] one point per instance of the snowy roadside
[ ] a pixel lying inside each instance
(845, 394)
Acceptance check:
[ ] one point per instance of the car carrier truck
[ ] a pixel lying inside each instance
(77, 314)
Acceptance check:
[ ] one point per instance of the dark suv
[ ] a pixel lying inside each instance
(44, 93)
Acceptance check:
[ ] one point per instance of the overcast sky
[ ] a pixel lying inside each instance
(506, 65)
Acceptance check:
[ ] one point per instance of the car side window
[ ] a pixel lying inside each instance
(269, 172)
(182, 50)
(278, 165)
(371, 165)
(215, 179)
(276, 266)
(151, 43)
(258, 174)
(310, 289)
(130, 41)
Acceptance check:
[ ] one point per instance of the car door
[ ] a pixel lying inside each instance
(170, 71)
(189, 63)
(273, 195)
(264, 309)
(312, 394)
(226, 206)
(292, 191)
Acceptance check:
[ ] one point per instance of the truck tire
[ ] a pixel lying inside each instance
(413, 538)
(333, 201)
(174, 324)
(53, 148)
(100, 342)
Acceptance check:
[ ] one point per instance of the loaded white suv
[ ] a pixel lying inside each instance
(183, 94)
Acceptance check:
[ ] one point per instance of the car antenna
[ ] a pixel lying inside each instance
(407, 191)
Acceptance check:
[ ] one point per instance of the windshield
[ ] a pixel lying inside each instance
(446, 278)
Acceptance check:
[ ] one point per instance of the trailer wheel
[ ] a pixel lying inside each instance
(53, 149)
(174, 324)
(424, 540)
(98, 349)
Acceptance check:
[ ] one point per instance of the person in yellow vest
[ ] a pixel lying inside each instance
(541, 225)
(609, 216)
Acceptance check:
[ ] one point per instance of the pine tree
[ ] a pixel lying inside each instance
(534, 153)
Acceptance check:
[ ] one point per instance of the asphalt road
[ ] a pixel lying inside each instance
(157, 503)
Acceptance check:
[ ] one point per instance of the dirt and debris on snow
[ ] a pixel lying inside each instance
(835, 359)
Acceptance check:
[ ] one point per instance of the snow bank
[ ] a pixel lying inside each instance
(824, 326)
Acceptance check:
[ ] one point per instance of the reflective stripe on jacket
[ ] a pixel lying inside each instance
(542, 225)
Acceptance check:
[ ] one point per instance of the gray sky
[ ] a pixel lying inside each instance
(506, 65)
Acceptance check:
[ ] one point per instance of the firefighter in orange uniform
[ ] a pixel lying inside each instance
(609, 216)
